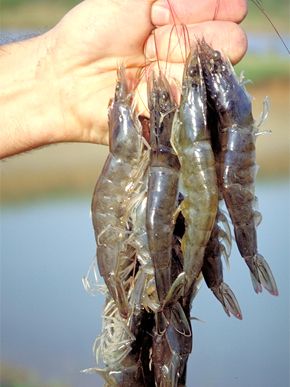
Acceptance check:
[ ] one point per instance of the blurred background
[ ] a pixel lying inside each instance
(48, 322)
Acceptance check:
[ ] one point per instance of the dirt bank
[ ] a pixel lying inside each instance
(72, 169)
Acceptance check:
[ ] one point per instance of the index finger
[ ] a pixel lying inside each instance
(189, 12)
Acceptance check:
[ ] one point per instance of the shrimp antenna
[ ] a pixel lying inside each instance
(173, 13)
(185, 33)
(141, 72)
(168, 50)
(157, 53)
(186, 40)
(259, 5)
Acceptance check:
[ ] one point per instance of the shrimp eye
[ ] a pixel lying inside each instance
(191, 71)
(216, 55)
(164, 95)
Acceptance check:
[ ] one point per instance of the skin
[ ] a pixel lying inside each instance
(56, 87)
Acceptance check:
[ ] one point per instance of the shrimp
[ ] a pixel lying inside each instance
(237, 160)
(190, 139)
(162, 183)
(117, 184)
(162, 196)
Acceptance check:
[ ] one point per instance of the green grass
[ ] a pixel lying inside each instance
(263, 68)
(277, 10)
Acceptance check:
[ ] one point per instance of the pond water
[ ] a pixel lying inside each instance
(48, 322)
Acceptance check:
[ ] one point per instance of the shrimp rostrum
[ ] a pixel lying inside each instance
(237, 159)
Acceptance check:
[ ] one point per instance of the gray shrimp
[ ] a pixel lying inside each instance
(163, 182)
(191, 140)
(117, 184)
(237, 159)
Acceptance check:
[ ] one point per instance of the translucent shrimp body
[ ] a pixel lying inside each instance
(198, 176)
(117, 184)
(163, 182)
(237, 159)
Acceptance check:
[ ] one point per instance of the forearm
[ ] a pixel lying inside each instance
(31, 104)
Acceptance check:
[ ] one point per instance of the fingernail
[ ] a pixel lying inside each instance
(160, 13)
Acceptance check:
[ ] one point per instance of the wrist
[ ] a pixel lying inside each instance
(32, 103)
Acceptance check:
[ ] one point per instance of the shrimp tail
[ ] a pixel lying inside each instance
(261, 275)
(179, 320)
(228, 300)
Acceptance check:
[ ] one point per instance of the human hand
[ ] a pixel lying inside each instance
(68, 74)
(93, 39)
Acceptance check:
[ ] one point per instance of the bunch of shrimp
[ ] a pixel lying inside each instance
(158, 220)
